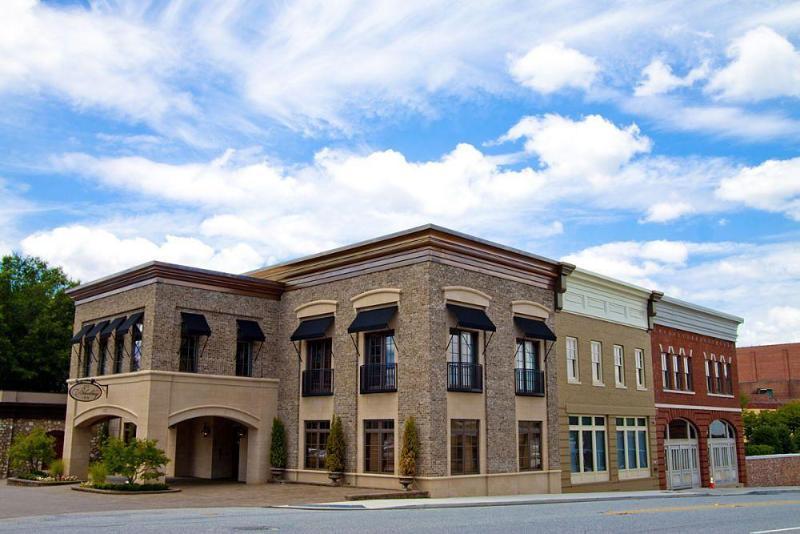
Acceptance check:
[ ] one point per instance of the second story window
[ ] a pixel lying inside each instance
(677, 376)
(119, 352)
(687, 373)
(102, 352)
(529, 379)
(464, 373)
(709, 380)
(248, 333)
(677, 372)
(619, 366)
(88, 356)
(190, 348)
(244, 358)
(379, 372)
(136, 345)
(194, 331)
(597, 363)
(572, 360)
(318, 376)
(638, 355)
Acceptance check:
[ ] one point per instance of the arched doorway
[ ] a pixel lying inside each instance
(211, 447)
(682, 460)
(722, 453)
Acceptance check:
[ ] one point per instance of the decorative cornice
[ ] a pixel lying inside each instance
(160, 271)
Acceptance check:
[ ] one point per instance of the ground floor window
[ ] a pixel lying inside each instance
(128, 432)
(464, 447)
(530, 445)
(316, 443)
(379, 446)
(632, 443)
(587, 443)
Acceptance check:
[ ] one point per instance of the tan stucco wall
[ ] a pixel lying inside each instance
(608, 400)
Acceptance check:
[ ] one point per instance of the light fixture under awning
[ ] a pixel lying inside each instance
(91, 334)
(82, 332)
(129, 322)
(472, 318)
(377, 319)
(194, 324)
(312, 328)
(535, 329)
(249, 331)
(112, 326)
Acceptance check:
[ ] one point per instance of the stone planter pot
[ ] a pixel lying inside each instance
(277, 474)
(336, 477)
(406, 482)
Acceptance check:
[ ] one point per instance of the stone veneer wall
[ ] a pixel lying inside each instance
(14, 426)
(773, 470)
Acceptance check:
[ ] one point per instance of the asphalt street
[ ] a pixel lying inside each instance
(731, 514)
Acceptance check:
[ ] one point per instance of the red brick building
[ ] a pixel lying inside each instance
(698, 416)
(769, 374)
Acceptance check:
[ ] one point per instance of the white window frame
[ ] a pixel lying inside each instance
(640, 424)
(573, 370)
(583, 477)
(638, 356)
(664, 372)
(676, 372)
(686, 374)
(597, 363)
(619, 366)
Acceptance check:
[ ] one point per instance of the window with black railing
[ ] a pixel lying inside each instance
(318, 375)
(528, 378)
(463, 371)
(379, 372)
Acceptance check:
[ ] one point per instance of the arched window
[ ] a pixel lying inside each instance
(721, 429)
(681, 429)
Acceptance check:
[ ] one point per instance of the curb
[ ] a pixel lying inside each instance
(527, 502)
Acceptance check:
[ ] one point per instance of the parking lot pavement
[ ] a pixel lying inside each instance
(23, 501)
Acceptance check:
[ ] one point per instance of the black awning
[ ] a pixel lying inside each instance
(194, 324)
(535, 329)
(377, 319)
(82, 332)
(472, 318)
(249, 331)
(129, 322)
(112, 326)
(91, 334)
(312, 328)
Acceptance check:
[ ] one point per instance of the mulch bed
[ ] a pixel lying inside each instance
(39, 483)
(120, 492)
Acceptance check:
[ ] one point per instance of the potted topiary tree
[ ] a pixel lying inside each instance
(335, 451)
(277, 450)
(409, 453)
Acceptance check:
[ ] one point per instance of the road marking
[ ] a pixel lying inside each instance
(716, 506)
(776, 530)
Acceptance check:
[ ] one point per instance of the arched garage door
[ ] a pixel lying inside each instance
(722, 453)
(681, 454)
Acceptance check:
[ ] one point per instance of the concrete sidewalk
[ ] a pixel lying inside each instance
(515, 500)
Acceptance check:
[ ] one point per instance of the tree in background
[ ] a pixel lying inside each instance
(36, 319)
(773, 431)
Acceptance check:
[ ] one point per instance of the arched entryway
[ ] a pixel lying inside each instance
(82, 441)
(211, 447)
(681, 453)
(722, 453)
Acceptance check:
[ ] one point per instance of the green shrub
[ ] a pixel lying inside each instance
(277, 450)
(138, 459)
(131, 487)
(754, 449)
(776, 436)
(410, 449)
(97, 473)
(56, 469)
(336, 448)
(29, 452)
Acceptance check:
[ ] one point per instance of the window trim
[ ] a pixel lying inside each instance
(319, 431)
(595, 475)
(625, 473)
(382, 431)
(573, 374)
(597, 365)
(531, 433)
(463, 434)
(619, 366)
(639, 363)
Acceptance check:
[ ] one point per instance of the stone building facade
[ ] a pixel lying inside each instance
(606, 380)
(23, 411)
(699, 418)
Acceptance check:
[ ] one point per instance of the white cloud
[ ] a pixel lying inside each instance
(591, 147)
(88, 253)
(667, 211)
(550, 67)
(780, 324)
(772, 186)
(658, 78)
(763, 65)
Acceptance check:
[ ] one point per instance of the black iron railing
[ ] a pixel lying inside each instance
(378, 377)
(317, 382)
(529, 381)
(465, 377)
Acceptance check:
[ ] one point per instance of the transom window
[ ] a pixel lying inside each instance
(316, 443)
(530, 445)
(721, 429)
(587, 443)
(638, 355)
(619, 366)
(597, 363)
(379, 446)
(572, 359)
(681, 429)
(464, 447)
(632, 443)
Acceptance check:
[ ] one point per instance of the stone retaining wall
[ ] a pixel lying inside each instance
(773, 470)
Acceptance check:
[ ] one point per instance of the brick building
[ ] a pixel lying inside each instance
(770, 374)
(699, 420)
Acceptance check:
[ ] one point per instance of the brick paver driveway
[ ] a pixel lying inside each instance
(20, 501)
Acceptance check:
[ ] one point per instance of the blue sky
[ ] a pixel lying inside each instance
(656, 143)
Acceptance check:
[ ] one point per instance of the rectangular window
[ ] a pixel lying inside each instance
(463, 346)
(136, 346)
(530, 445)
(639, 357)
(709, 381)
(572, 359)
(728, 378)
(379, 372)
(597, 362)
(119, 352)
(463, 371)
(244, 358)
(632, 451)
(464, 447)
(102, 353)
(717, 378)
(316, 443)
(190, 346)
(88, 356)
(665, 371)
(318, 375)
(587, 440)
(619, 366)
(676, 373)
(379, 446)
(687, 373)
